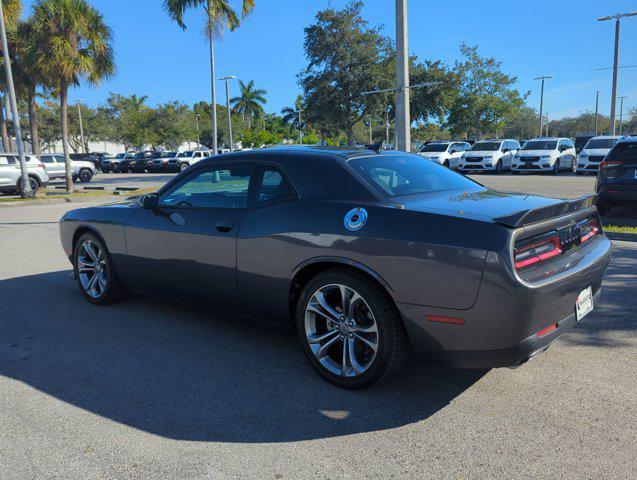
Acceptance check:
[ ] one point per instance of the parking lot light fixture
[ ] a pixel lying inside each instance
(613, 101)
(26, 190)
(226, 78)
(545, 77)
(596, 109)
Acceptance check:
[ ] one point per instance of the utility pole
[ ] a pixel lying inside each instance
(596, 109)
(370, 130)
(79, 114)
(386, 127)
(613, 101)
(547, 125)
(621, 112)
(26, 190)
(403, 118)
(545, 77)
(226, 78)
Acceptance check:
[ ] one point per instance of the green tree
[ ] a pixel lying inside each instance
(132, 118)
(249, 104)
(346, 58)
(219, 15)
(521, 123)
(76, 44)
(486, 95)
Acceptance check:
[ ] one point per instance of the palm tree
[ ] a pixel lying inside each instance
(219, 14)
(12, 10)
(28, 74)
(293, 115)
(74, 43)
(249, 103)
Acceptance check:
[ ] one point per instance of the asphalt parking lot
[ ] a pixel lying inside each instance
(150, 389)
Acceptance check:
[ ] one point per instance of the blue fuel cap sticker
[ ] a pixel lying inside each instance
(355, 219)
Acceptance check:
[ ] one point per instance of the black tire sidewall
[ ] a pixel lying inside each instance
(383, 311)
(112, 283)
(85, 175)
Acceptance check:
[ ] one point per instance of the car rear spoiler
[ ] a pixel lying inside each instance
(526, 217)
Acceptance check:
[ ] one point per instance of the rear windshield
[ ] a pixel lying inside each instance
(435, 147)
(623, 152)
(485, 146)
(601, 143)
(398, 175)
(540, 145)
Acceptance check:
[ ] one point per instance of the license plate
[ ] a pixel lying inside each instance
(584, 304)
(528, 164)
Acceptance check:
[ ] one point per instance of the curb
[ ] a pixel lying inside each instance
(622, 237)
(54, 201)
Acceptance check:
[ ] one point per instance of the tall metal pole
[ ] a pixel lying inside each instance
(370, 132)
(228, 116)
(613, 99)
(596, 110)
(614, 90)
(197, 126)
(209, 11)
(79, 114)
(403, 119)
(26, 190)
(545, 77)
(387, 127)
(621, 113)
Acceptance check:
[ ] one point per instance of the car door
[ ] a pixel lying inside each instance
(186, 247)
(563, 156)
(455, 152)
(9, 171)
(507, 156)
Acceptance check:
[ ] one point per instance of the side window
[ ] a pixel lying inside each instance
(9, 160)
(4, 160)
(47, 159)
(222, 187)
(272, 187)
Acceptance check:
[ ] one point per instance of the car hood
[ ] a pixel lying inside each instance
(535, 153)
(481, 153)
(480, 203)
(432, 154)
(595, 151)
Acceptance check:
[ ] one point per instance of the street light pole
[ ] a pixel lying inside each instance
(621, 112)
(79, 114)
(403, 120)
(613, 101)
(229, 118)
(596, 109)
(387, 127)
(298, 109)
(26, 190)
(545, 77)
(197, 126)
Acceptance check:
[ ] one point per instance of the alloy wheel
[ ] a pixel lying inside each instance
(341, 330)
(91, 269)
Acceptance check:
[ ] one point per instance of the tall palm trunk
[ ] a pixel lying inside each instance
(6, 145)
(210, 12)
(33, 121)
(64, 120)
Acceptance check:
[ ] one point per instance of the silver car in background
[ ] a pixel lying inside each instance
(56, 167)
(10, 173)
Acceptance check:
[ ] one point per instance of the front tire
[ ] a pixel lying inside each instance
(350, 330)
(498, 167)
(94, 271)
(85, 175)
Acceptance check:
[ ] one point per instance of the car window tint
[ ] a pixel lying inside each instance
(8, 160)
(273, 187)
(211, 188)
(623, 152)
(47, 159)
(4, 161)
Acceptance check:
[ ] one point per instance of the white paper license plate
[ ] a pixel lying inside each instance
(584, 304)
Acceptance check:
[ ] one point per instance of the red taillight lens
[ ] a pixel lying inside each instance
(589, 230)
(611, 163)
(547, 330)
(537, 252)
(42, 166)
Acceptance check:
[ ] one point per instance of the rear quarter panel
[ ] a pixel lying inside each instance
(422, 258)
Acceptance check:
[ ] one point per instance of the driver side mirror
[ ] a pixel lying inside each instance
(505, 150)
(150, 201)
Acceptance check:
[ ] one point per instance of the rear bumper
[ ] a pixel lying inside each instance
(618, 194)
(500, 328)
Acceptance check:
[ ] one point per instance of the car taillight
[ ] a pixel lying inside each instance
(589, 230)
(42, 166)
(538, 251)
(609, 163)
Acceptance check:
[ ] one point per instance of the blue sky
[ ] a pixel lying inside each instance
(559, 37)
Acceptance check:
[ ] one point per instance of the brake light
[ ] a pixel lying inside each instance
(42, 166)
(537, 252)
(547, 330)
(589, 230)
(609, 163)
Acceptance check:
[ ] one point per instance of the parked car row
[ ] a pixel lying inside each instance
(153, 161)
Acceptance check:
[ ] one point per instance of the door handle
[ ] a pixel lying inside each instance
(225, 226)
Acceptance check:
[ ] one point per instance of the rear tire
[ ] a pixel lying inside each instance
(556, 168)
(85, 175)
(34, 183)
(94, 271)
(498, 167)
(369, 335)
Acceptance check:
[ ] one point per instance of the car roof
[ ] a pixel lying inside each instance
(603, 137)
(629, 138)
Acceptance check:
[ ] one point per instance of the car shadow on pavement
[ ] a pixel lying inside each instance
(187, 374)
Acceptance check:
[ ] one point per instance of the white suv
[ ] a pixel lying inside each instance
(446, 153)
(545, 155)
(56, 167)
(490, 155)
(594, 152)
(184, 159)
(10, 173)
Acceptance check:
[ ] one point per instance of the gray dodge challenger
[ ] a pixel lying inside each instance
(367, 254)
